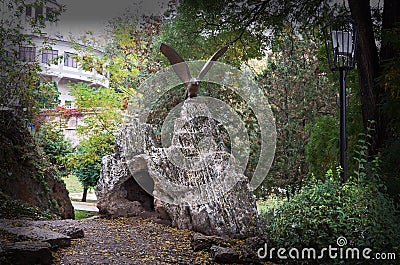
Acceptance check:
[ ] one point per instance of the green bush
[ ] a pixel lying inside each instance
(53, 143)
(325, 210)
(80, 214)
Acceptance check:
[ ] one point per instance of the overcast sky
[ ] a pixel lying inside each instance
(84, 15)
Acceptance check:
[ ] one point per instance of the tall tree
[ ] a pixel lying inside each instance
(369, 68)
(103, 118)
(377, 64)
(260, 19)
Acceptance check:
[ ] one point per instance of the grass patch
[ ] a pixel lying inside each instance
(80, 214)
(73, 185)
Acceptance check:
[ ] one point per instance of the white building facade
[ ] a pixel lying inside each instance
(57, 59)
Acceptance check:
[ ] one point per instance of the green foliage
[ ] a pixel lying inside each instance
(389, 81)
(359, 210)
(205, 25)
(322, 150)
(247, 26)
(72, 184)
(86, 161)
(324, 210)
(132, 51)
(53, 143)
(11, 208)
(391, 167)
(268, 205)
(47, 95)
(298, 93)
(322, 147)
(101, 106)
(129, 53)
(102, 119)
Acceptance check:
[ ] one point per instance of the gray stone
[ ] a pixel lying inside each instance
(71, 228)
(118, 192)
(38, 234)
(203, 242)
(28, 252)
(73, 232)
(249, 250)
(224, 255)
(208, 195)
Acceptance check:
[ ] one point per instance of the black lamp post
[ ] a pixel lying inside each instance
(341, 40)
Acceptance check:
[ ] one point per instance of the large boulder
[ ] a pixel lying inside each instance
(198, 179)
(26, 253)
(32, 242)
(118, 191)
(195, 180)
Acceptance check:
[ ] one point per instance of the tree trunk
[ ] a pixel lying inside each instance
(84, 195)
(368, 71)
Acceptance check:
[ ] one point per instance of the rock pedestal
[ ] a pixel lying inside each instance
(195, 181)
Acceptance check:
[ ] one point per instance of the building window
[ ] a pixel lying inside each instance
(28, 11)
(68, 104)
(49, 13)
(49, 55)
(27, 54)
(38, 11)
(69, 60)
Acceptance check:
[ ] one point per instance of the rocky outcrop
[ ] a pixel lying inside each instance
(34, 233)
(27, 252)
(25, 174)
(194, 181)
(203, 242)
(32, 242)
(118, 191)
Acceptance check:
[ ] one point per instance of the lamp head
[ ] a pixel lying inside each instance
(341, 41)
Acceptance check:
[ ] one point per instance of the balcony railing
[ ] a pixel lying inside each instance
(62, 71)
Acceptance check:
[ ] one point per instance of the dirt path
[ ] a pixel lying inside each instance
(85, 206)
(130, 241)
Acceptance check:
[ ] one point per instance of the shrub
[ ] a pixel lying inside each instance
(54, 145)
(325, 210)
